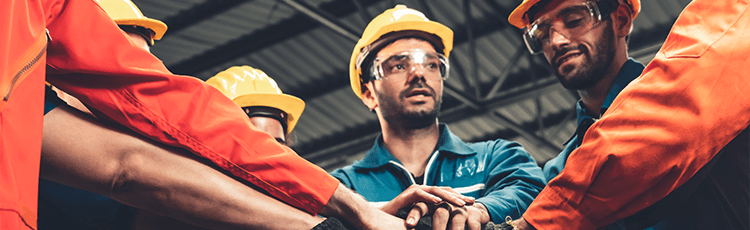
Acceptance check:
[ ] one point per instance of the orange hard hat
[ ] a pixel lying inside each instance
(124, 12)
(399, 18)
(247, 87)
(519, 17)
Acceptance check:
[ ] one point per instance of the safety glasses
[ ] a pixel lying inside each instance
(570, 22)
(433, 66)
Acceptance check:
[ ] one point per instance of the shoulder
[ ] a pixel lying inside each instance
(344, 175)
(497, 146)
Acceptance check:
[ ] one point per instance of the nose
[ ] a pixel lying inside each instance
(557, 40)
(416, 72)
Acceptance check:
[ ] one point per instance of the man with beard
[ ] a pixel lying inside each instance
(397, 69)
(594, 61)
(669, 151)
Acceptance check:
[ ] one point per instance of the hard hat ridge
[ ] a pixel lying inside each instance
(250, 87)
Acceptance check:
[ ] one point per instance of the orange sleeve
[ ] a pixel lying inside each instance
(90, 58)
(691, 100)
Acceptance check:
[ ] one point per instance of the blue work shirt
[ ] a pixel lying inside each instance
(499, 173)
(628, 72)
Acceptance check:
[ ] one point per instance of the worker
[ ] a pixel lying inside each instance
(123, 83)
(65, 207)
(397, 69)
(61, 206)
(666, 150)
(268, 108)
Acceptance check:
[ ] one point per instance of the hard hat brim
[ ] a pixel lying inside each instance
(157, 26)
(517, 17)
(291, 105)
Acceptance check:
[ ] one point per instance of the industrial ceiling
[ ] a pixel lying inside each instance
(496, 88)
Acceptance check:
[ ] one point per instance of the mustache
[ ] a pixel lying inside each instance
(566, 49)
(417, 85)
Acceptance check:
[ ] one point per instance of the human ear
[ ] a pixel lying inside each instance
(368, 96)
(622, 20)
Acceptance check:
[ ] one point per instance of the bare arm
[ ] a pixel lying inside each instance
(80, 152)
(354, 208)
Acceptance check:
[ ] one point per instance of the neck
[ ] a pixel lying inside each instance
(593, 97)
(412, 147)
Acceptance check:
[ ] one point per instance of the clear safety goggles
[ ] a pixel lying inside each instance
(570, 22)
(433, 65)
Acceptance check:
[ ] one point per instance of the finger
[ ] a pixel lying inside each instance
(467, 199)
(441, 216)
(427, 197)
(458, 218)
(417, 211)
(447, 194)
(473, 220)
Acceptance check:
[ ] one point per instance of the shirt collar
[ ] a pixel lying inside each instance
(628, 72)
(447, 143)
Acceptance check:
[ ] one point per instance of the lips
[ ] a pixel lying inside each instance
(417, 92)
(565, 57)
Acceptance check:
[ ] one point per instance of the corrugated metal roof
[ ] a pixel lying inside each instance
(310, 60)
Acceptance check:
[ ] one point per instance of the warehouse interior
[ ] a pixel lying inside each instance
(496, 88)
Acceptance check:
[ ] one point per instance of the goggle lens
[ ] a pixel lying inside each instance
(570, 22)
(432, 65)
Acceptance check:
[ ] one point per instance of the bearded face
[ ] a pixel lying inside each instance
(580, 65)
(398, 108)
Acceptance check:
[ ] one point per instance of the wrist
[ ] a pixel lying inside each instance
(348, 206)
(485, 214)
(521, 224)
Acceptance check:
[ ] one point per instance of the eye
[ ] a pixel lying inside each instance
(573, 23)
(397, 67)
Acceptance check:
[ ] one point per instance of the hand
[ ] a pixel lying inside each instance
(448, 216)
(353, 208)
(427, 194)
(521, 224)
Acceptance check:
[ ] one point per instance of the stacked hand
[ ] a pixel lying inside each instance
(448, 208)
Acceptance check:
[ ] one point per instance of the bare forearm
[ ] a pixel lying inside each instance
(351, 207)
(82, 153)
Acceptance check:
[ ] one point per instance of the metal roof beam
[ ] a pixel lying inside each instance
(261, 39)
(520, 51)
(198, 13)
(528, 134)
(324, 18)
(471, 74)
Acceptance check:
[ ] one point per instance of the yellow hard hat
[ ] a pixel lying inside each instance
(400, 18)
(124, 12)
(247, 86)
(519, 17)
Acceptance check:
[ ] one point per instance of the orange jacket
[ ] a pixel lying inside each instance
(690, 101)
(90, 58)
